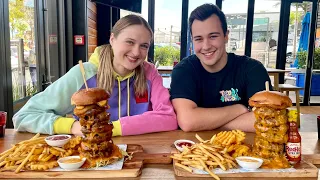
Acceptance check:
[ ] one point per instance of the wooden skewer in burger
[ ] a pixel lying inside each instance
(96, 146)
(270, 110)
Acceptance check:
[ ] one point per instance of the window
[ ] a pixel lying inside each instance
(22, 48)
(144, 11)
(265, 32)
(167, 31)
(236, 15)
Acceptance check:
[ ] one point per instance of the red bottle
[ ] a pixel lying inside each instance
(293, 146)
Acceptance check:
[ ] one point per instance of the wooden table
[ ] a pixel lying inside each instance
(163, 143)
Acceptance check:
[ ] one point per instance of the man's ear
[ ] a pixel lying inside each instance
(226, 37)
(111, 39)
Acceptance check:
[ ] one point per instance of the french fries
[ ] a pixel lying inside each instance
(32, 154)
(229, 137)
(219, 151)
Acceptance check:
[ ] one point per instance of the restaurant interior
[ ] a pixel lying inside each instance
(40, 40)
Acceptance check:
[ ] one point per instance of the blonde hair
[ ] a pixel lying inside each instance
(105, 77)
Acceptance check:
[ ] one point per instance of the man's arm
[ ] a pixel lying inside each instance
(193, 118)
(244, 122)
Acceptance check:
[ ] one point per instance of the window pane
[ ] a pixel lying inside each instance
(193, 4)
(236, 15)
(265, 32)
(297, 51)
(144, 11)
(22, 46)
(167, 31)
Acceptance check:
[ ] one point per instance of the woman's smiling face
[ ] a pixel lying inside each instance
(130, 48)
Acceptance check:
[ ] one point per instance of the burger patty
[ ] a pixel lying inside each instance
(271, 122)
(270, 112)
(95, 137)
(103, 117)
(273, 138)
(264, 144)
(264, 153)
(93, 147)
(282, 129)
(90, 110)
(97, 127)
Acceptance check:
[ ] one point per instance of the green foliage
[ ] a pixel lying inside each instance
(16, 88)
(293, 16)
(303, 5)
(21, 18)
(166, 55)
(302, 59)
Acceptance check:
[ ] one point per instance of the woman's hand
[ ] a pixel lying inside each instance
(76, 128)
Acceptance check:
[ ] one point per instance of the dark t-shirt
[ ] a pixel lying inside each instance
(234, 84)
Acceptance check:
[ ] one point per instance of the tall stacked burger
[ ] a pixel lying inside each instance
(96, 146)
(270, 110)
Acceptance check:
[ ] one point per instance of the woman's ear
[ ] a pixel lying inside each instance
(111, 40)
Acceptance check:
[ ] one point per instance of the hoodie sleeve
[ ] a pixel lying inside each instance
(162, 116)
(44, 113)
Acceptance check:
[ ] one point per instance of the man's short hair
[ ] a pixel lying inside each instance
(204, 11)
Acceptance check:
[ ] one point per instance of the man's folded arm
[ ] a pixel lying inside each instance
(193, 118)
(244, 122)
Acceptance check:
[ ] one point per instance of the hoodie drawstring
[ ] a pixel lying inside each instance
(128, 97)
(119, 99)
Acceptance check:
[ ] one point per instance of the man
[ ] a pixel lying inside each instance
(211, 89)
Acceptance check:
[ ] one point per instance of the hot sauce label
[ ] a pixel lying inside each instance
(293, 150)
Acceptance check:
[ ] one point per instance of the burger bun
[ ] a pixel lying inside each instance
(86, 97)
(273, 99)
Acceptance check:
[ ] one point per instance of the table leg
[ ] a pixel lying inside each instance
(276, 81)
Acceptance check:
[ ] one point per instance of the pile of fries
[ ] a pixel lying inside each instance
(32, 154)
(210, 154)
(232, 141)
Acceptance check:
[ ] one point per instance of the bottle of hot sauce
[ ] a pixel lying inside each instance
(293, 146)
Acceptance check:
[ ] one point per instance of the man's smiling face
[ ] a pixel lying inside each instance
(209, 43)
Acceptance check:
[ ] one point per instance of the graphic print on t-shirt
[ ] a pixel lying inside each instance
(229, 95)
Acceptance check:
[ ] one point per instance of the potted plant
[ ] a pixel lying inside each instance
(300, 77)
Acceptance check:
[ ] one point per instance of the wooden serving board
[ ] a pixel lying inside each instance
(131, 168)
(303, 169)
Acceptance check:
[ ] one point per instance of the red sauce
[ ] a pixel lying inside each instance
(57, 138)
(184, 144)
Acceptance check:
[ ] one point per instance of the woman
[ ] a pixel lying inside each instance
(138, 103)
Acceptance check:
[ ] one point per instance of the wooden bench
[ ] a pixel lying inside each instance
(287, 88)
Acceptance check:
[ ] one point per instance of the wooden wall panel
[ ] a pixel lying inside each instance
(91, 48)
(92, 40)
(92, 6)
(92, 27)
(92, 23)
(92, 15)
(92, 32)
